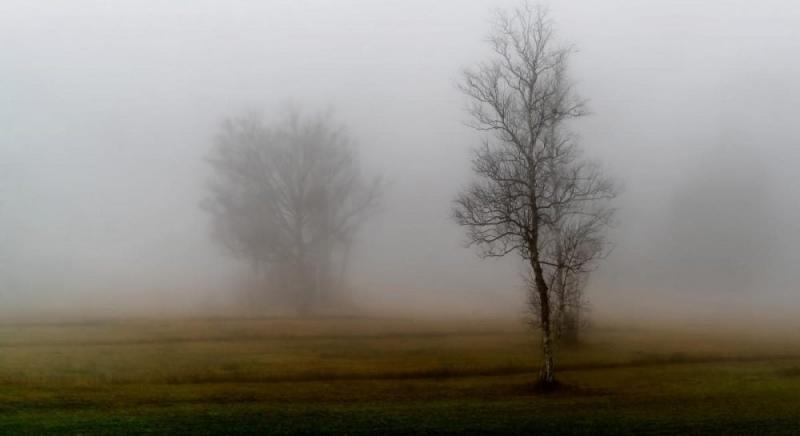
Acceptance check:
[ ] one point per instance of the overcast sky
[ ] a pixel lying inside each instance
(107, 110)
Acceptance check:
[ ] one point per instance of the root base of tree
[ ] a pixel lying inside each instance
(542, 387)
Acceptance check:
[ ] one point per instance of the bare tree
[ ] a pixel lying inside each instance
(289, 198)
(578, 242)
(534, 195)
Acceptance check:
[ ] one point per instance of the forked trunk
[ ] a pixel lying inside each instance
(547, 377)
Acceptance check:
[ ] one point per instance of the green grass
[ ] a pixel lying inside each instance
(389, 376)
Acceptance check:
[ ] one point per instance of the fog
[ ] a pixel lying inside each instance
(109, 109)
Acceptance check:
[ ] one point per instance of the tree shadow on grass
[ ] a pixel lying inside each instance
(558, 388)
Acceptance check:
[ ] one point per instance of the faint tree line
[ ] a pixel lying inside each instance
(533, 194)
(289, 197)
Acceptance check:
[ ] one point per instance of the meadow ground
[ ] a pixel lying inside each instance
(389, 376)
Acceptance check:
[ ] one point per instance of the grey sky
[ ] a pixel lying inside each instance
(108, 108)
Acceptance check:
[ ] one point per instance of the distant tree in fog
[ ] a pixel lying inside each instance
(534, 195)
(578, 242)
(289, 198)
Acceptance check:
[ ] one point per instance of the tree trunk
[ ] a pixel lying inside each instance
(547, 375)
(340, 279)
(303, 289)
(571, 326)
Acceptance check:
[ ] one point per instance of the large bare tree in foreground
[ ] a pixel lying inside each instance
(289, 198)
(534, 195)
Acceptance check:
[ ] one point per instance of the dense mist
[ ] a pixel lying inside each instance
(109, 111)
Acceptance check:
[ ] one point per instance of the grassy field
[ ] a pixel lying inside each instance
(389, 376)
